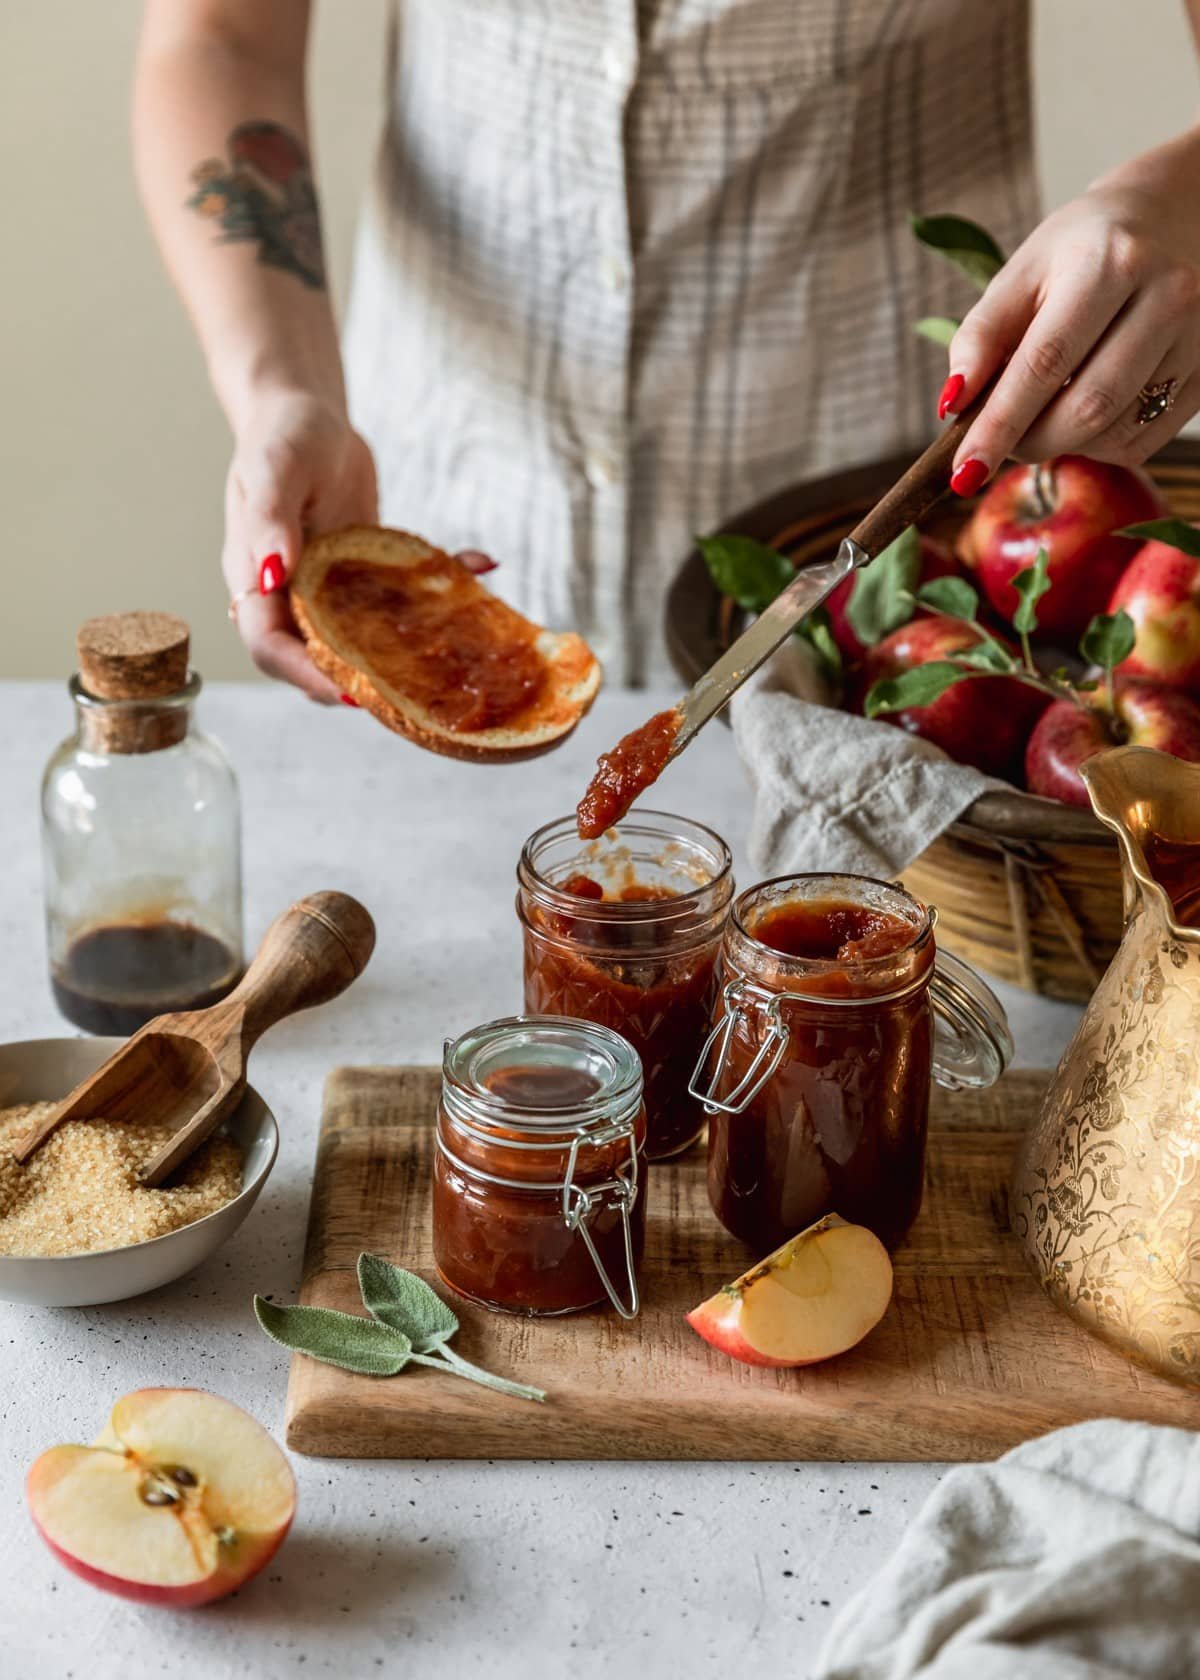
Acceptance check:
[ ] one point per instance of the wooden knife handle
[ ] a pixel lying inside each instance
(912, 495)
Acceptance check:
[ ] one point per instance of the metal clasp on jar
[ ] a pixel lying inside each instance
(580, 1204)
(735, 997)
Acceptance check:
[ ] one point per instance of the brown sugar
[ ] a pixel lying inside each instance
(79, 1192)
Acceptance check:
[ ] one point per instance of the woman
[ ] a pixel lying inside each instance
(626, 269)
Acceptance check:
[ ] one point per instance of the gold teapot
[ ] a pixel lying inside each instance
(1105, 1197)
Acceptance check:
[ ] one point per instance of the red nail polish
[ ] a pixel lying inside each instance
(348, 700)
(271, 574)
(951, 391)
(477, 562)
(968, 478)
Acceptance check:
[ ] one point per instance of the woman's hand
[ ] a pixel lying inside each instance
(1098, 308)
(298, 468)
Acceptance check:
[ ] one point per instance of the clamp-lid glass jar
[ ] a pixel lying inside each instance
(834, 1013)
(539, 1198)
(140, 836)
(625, 931)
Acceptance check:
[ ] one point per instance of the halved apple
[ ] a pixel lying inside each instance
(181, 1498)
(812, 1299)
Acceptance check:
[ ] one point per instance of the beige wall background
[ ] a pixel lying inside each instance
(113, 453)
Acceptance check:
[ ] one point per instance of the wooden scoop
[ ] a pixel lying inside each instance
(189, 1069)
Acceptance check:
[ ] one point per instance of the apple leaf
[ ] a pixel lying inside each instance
(336, 1338)
(988, 655)
(746, 570)
(882, 597)
(1108, 639)
(966, 244)
(405, 1302)
(939, 329)
(1177, 533)
(919, 687)
(1031, 583)
(951, 595)
(818, 632)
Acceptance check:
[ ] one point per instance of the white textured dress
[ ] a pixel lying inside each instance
(629, 266)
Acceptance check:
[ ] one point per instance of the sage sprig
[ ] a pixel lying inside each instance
(409, 1324)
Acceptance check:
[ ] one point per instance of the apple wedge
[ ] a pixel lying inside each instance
(181, 1498)
(812, 1299)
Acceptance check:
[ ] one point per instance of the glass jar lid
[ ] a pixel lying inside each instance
(542, 1074)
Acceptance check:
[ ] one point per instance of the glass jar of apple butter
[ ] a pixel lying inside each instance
(625, 931)
(835, 1012)
(539, 1192)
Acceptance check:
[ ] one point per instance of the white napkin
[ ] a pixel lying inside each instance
(835, 791)
(1074, 1557)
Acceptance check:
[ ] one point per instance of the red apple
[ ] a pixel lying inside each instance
(936, 561)
(1145, 716)
(984, 721)
(178, 1501)
(813, 1298)
(1160, 590)
(1072, 507)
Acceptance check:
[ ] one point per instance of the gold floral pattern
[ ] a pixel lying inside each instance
(1106, 1195)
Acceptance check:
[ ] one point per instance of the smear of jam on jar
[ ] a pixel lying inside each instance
(1175, 865)
(625, 773)
(430, 632)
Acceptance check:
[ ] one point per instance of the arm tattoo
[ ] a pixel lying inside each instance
(264, 193)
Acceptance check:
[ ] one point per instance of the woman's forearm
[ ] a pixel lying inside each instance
(221, 149)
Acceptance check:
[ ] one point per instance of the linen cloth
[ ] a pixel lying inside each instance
(1074, 1557)
(629, 266)
(833, 790)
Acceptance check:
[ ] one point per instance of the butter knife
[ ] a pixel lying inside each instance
(636, 763)
(925, 482)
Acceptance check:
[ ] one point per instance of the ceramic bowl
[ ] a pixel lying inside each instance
(46, 1069)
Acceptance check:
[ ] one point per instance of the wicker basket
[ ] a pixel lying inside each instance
(1027, 889)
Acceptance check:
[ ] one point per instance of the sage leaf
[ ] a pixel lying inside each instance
(939, 329)
(919, 687)
(405, 1302)
(336, 1338)
(1031, 583)
(951, 595)
(882, 597)
(747, 571)
(967, 245)
(1108, 639)
(817, 631)
(1175, 532)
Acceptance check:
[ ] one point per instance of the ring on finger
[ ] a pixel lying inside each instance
(242, 595)
(1156, 400)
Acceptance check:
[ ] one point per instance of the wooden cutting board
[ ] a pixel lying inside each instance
(970, 1359)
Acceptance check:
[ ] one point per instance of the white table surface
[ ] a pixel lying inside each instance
(447, 1568)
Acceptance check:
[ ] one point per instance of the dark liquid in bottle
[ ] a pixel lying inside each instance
(116, 978)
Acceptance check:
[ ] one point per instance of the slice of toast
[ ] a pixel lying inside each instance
(410, 634)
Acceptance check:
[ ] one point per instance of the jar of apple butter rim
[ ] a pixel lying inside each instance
(625, 931)
(539, 1197)
(835, 1012)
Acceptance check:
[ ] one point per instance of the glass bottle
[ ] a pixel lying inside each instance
(140, 836)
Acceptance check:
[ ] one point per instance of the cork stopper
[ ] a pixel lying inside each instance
(133, 657)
